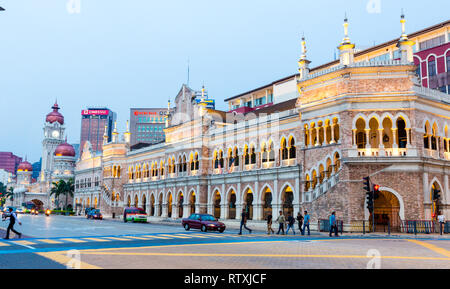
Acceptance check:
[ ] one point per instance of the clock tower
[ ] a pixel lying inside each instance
(53, 136)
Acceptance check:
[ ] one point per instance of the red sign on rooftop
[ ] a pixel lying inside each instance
(95, 112)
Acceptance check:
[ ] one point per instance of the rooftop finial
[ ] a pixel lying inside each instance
(346, 38)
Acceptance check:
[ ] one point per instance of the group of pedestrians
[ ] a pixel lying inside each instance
(289, 223)
(303, 222)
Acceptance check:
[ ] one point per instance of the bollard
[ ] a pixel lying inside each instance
(415, 228)
(389, 228)
(364, 227)
(113, 215)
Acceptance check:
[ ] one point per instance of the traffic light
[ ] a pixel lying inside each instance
(376, 191)
(369, 194)
(436, 194)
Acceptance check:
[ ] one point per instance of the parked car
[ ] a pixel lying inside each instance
(95, 214)
(34, 211)
(133, 214)
(204, 222)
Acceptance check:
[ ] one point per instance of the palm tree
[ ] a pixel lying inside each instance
(62, 188)
(10, 194)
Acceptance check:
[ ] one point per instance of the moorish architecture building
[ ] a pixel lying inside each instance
(58, 163)
(309, 148)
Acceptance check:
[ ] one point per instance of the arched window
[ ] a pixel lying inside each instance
(263, 153)
(252, 154)
(360, 133)
(221, 159)
(337, 162)
(236, 157)
(283, 149)
(197, 163)
(401, 133)
(271, 152)
(246, 155)
(292, 148)
(215, 160)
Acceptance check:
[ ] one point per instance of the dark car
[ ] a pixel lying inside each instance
(86, 211)
(203, 222)
(94, 214)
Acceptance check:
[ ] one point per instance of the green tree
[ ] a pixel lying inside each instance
(62, 188)
(3, 190)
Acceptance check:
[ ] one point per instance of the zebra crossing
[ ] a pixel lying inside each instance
(123, 238)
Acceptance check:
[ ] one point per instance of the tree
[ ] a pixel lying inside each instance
(3, 190)
(10, 194)
(62, 188)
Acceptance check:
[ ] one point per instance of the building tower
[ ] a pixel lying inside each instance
(405, 45)
(53, 136)
(346, 48)
(303, 63)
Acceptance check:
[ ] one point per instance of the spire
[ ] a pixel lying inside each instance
(105, 135)
(115, 133)
(303, 63)
(127, 134)
(404, 44)
(346, 48)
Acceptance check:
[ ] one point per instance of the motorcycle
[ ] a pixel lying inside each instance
(47, 212)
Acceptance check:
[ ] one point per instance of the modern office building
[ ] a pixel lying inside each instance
(9, 162)
(93, 123)
(147, 125)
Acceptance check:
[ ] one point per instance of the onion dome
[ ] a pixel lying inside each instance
(25, 167)
(55, 115)
(65, 150)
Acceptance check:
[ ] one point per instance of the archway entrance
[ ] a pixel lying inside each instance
(152, 205)
(169, 205)
(217, 200)
(180, 205)
(192, 201)
(267, 201)
(386, 211)
(248, 199)
(232, 205)
(436, 200)
(38, 204)
(287, 198)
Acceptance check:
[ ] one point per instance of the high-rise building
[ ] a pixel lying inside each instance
(9, 162)
(93, 122)
(36, 169)
(147, 125)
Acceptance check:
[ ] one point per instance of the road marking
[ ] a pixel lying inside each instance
(258, 255)
(25, 244)
(172, 236)
(137, 238)
(119, 239)
(73, 240)
(63, 259)
(49, 241)
(183, 236)
(198, 236)
(3, 244)
(97, 239)
(158, 237)
(432, 247)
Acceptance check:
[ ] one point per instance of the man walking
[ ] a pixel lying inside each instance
(333, 225)
(12, 220)
(269, 224)
(281, 220)
(306, 223)
(244, 222)
(441, 219)
(291, 221)
(300, 222)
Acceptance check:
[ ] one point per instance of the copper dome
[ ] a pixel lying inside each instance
(25, 167)
(65, 150)
(55, 115)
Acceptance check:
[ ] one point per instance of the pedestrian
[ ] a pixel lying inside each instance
(300, 222)
(269, 224)
(12, 220)
(291, 221)
(244, 222)
(441, 219)
(306, 223)
(333, 225)
(281, 220)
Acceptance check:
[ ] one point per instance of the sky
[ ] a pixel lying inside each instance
(135, 53)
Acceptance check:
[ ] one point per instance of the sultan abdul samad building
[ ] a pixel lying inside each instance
(301, 143)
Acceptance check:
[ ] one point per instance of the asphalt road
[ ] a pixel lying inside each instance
(73, 242)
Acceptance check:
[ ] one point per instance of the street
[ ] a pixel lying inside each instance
(61, 242)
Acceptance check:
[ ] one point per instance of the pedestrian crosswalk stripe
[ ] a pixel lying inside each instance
(118, 239)
(137, 238)
(173, 236)
(49, 241)
(198, 236)
(183, 236)
(157, 237)
(97, 239)
(73, 240)
(3, 244)
(24, 242)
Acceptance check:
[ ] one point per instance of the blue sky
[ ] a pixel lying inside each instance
(134, 53)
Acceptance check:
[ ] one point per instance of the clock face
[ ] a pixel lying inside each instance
(55, 134)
